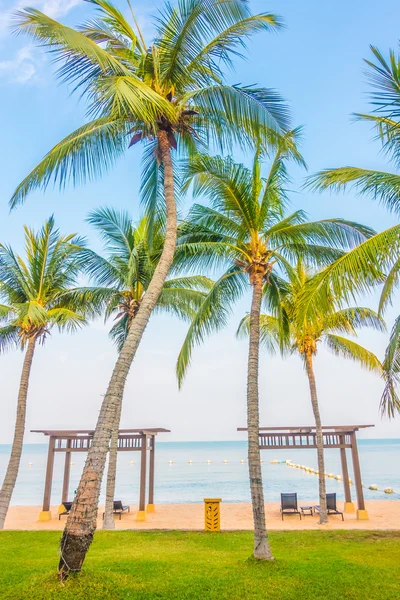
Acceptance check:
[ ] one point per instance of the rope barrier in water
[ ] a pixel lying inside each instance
(373, 487)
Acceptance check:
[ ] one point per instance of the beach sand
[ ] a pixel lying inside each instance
(382, 515)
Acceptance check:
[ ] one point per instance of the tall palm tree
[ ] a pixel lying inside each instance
(246, 233)
(123, 277)
(353, 273)
(169, 94)
(303, 336)
(32, 292)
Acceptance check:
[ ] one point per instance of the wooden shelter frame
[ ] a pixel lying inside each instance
(337, 436)
(79, 440)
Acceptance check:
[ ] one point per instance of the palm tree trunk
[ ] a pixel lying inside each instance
(109, 522)
(81, 522)
(262, 548)
(323, 517)
(16, 450)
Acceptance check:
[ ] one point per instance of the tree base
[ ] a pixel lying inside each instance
(262, 551)
(109, 523)
(73, 550)
(265, 558)
(323, 519)
(349, 507)
(44, 515)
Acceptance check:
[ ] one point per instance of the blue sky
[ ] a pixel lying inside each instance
(316, 63)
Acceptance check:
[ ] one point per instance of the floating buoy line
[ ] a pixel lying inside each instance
(289, 463)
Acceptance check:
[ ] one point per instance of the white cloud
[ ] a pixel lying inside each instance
(20, 69)
(23, 67)
(52, 8)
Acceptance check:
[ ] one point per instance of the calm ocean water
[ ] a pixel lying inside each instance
(182, 482)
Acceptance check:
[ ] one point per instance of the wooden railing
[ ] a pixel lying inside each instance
(304, 440)
(82, 443)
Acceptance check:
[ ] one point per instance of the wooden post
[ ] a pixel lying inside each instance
(67, 464)
(348, 504)
(141, 514)
(45, 515)
(362, 514)
(150, 506)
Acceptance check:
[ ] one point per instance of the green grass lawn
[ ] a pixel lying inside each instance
(338, 565)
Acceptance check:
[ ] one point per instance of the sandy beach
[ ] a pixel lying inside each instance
(382, 515)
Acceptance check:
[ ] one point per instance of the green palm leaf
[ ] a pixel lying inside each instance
(353, 273)
(270, 332)
(348, 349)
(390, 402)
(381, 186)
(211, 316)
(350, 319)
(392, 281)
(37, 289)
(82, 156)
(9, 339)
(138, 88)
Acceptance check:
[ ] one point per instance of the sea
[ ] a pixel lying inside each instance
(188, 472)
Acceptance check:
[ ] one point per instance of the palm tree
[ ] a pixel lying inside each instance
(303, 336)
(383, 250)
(246, 233)
(169, 94)
(122, 279)
(32, 292)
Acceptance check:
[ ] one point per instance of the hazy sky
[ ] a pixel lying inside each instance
(316, 63)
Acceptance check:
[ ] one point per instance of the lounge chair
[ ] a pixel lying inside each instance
(67, 506)
(330, 505)
(119, 508)
(289, 505)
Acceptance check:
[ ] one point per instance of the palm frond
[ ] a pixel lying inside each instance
(388, 133)
(34, 287)
(350, 319)
(355, 272)
(9, 338)
(119, 331)
(184, 29)
(88, 301)
(270, 332)
(115, 20)
(337, 233)
(152, 187)
(228, 43)
(211, 316)
(239, 114)
(391, 282)
(385, 78)
(83, 59)
(379, 185)
(66, 319)
(82, 156)
(345, 348)
(227, 185)
(115, 228)
(390, 401)
(128, 97)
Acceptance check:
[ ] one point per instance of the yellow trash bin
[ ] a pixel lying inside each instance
(212, 514)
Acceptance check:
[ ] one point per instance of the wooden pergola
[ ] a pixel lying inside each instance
(336, 436)
(79, 440)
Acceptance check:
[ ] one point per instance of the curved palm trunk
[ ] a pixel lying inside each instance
(109, 522)
(262, 548)
(323, 517)
(81, 522)
(16, 450)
